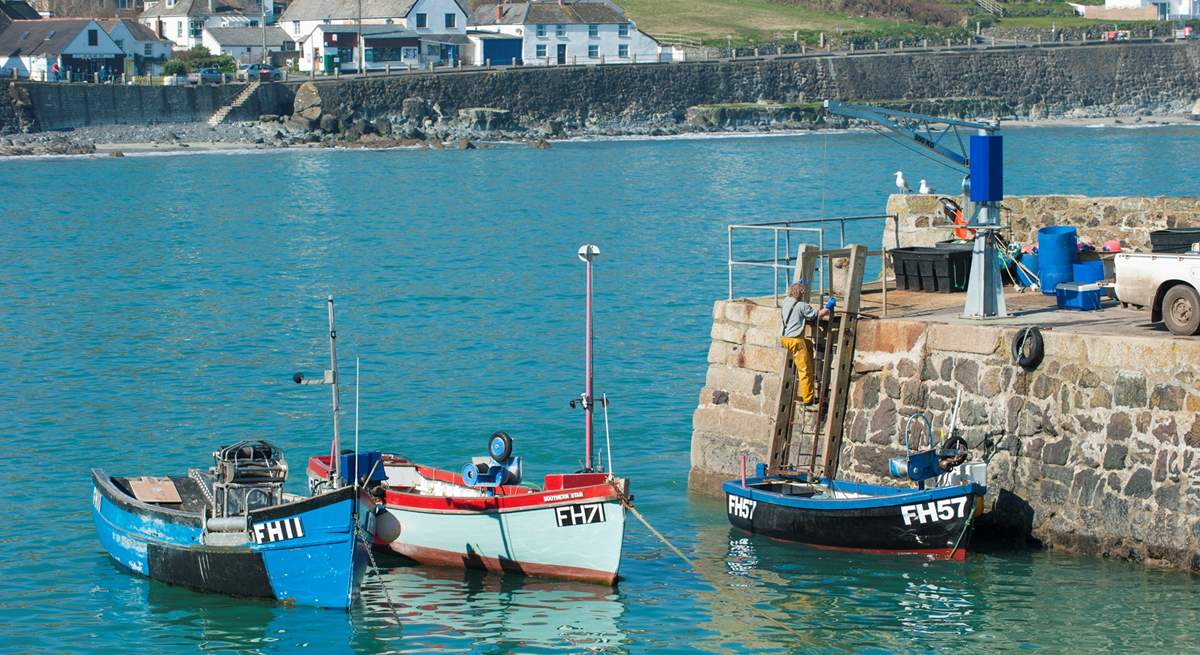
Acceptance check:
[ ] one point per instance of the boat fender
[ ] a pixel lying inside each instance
(1028, 349)
(226, 524)
(500, 446)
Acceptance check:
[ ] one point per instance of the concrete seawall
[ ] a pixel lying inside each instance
(36, 106)
(1098, 448)
(1094, 80)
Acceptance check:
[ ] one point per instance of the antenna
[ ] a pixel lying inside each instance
(587, 253)
(333, 368)
(356, 377)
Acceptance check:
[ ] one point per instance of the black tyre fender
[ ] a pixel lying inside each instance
(499, 446)
(1028, 349)
(1181, 295)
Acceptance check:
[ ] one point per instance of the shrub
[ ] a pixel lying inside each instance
(175, 67)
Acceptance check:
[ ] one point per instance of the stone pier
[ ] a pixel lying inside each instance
(1096, 450)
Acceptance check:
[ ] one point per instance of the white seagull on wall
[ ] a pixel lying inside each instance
(901, 183)
(925, 188)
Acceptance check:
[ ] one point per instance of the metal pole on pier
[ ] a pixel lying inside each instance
(333, 367)
(588, 253)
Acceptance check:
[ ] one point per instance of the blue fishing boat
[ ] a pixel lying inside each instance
(934, 518)
(232, 529)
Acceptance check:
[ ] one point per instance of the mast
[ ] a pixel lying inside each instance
(333, 381)
(587, 253)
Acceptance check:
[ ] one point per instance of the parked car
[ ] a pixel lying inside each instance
(264, 72)
(206, 76)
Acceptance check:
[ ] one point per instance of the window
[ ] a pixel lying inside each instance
(295, 27)
(593, 31)
(326, 21)
(170, 3)
(122, 4)
(593, 51)
(560, 30)
(450, 20)
(93, 38)
(541, 50)
(422, 21)
(623, 51)
(541, 30)
(179, 28)
(623, 29)
(120, 43)
(148, 50)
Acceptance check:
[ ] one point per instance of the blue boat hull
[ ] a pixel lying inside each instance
(844, 515)
(312, 552)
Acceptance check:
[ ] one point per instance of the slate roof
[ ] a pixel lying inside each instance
(248, 36)
(345, 9)
(143, 33)
(249, 8)
(549, 12)
(45, 36)
(18, 10)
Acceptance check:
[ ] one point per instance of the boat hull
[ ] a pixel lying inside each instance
(319, 560)
(935, 522)
(533, 541)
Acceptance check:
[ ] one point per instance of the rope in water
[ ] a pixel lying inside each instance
(387, 597)
(966, 526)
(638, 515)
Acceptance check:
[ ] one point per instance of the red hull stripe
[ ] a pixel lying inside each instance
(438, 557)
(936, 553)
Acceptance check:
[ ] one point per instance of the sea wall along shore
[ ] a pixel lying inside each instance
(1032, 82)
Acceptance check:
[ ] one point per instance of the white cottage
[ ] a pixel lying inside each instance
(54, 49)
(183, 21)
(1142, 10)
(544, 32)
(439, 25)
(245, 44)
(145, 51)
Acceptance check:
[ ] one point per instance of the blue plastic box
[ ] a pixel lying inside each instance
(1073, 295)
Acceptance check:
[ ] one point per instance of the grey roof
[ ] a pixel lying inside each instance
(549, 12)
(394, 31)
(248, 36)
(18, 10)
(142, 33)
(343, 9)
(45, 36)
(250, 8)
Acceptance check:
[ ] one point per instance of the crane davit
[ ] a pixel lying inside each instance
(981, 159)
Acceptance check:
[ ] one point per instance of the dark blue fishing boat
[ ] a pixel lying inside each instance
(232, 529)
(933, 519)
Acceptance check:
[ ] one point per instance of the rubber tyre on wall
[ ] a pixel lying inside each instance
(1181, 310)
(1028, 349)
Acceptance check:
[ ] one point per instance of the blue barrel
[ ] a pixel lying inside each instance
(1057, 249)
(1028, 260)
(1088, 271)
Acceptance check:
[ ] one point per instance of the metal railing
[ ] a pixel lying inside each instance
(786, 237)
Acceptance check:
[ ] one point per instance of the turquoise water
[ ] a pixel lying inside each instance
(155, 307)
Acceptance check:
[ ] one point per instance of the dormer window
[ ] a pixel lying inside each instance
(170, 3)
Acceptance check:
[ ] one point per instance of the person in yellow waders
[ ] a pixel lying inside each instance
(795, 314)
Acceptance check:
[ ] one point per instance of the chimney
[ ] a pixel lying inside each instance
(212, 9)
(499, 12)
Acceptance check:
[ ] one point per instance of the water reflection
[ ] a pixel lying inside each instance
(468, 611)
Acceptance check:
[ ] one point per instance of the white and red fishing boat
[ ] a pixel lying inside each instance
(483, 517)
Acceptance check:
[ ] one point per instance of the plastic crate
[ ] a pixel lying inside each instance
(940, 270)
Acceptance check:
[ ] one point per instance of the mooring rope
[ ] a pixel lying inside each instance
(387, 597)
(966, 526)
(638, 515)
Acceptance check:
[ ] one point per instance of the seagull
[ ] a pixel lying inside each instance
(901, 184)
(925, 188)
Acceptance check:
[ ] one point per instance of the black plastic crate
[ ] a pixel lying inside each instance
(1175, 239)
(940, 270)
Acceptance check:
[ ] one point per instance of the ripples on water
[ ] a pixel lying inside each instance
(155, 307)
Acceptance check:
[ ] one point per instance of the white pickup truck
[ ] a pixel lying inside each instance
(1167, 283)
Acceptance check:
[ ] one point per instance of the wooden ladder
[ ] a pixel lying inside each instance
(811, 439)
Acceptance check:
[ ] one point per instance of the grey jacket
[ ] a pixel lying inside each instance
(795, 314)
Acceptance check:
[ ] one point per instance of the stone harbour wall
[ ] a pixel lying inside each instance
(1096, 450)
(1129, 219)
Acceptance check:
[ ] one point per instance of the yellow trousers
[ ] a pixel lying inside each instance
(801, 350)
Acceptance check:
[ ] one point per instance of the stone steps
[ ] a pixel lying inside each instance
(220, 115)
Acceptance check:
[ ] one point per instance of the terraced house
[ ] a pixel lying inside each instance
(549, 32)
(183, 21)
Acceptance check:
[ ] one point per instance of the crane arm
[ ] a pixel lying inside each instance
(939, 135)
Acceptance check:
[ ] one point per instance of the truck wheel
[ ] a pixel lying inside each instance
(1181, 310)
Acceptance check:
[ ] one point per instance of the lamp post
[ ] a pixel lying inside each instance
(362, 47)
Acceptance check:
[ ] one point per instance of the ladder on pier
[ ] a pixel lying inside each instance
(809, 438)
(219, 115)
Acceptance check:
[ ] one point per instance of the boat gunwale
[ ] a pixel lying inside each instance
(890, 496)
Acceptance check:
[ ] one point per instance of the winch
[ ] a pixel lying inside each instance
(499, 468)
